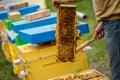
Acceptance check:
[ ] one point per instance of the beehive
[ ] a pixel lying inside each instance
(39, 61)
(66, 32)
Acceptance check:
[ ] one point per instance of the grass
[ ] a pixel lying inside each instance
(97, 57)
(6, 71)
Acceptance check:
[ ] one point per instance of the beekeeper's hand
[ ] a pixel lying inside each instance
(56, 3)
(99, 32)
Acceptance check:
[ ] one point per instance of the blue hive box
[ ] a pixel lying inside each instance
(26, 10)
(23, 24)
(46, 33)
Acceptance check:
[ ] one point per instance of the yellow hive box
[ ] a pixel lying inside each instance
(27, 51)
(17, 68)
(10, 52)
(39, 62)
(1, 25)
(13, 51)
(14, 57)
(6, 50)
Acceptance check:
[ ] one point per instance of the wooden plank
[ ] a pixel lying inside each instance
(66, 32)
(2, 7)
(18, 5)
(37, 15)
(14, 15)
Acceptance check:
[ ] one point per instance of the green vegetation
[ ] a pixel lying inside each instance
(97, 57)
(6, 71)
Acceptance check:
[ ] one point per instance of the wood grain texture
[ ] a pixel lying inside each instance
(37, 15)
(14, 15)
(18, 5)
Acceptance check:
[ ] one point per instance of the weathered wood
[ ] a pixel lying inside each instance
(14, 15)
(18, 5)
(2, 7)
(66, 32)
(37, 15)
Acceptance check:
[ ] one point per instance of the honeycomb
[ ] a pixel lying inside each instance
(66, 32)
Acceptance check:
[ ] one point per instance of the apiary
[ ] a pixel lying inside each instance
(45, 48)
